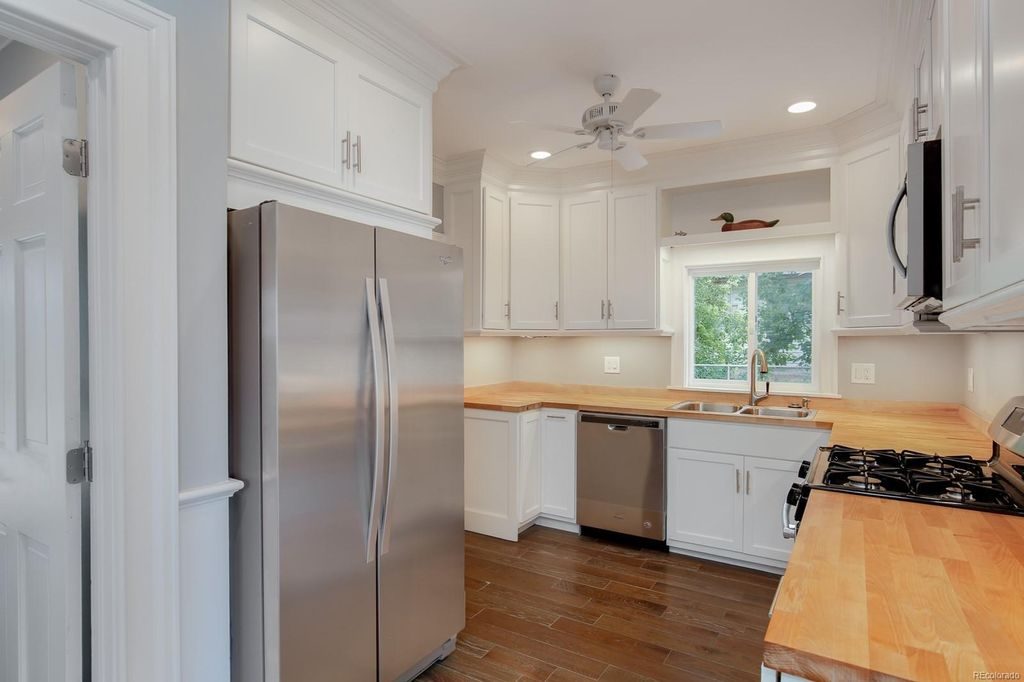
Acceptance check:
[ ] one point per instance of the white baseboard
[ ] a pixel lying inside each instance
(557, 524)
(766, 565)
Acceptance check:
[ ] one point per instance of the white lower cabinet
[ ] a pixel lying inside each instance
(519, 466)
(704, 504)
(558, 464)
(727, 484)
(529, 467)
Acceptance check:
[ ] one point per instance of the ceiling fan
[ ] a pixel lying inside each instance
(609, 122)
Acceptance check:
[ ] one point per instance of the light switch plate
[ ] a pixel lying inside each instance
(611, 364)
(862, 373)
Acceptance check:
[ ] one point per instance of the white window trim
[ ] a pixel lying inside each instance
(807, 265)
(767, 254)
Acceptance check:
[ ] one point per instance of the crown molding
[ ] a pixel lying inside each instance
(383, 31)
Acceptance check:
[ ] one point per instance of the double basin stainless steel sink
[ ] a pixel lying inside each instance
(746, 410)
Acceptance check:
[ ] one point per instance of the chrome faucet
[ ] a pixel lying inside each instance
(757, 357)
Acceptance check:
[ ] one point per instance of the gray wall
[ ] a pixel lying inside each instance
(998, 363)
(202, 31)
(19, 64)
(921, 367)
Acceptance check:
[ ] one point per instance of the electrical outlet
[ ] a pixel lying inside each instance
(970, 380)
(611, 364)
(862, 373)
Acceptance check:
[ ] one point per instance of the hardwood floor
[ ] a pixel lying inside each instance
(563, 608)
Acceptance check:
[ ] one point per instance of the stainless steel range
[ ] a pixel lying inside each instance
(993, 485)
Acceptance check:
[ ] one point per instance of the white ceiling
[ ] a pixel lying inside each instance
(743, 61)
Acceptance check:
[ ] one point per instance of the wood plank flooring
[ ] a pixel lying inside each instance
(564, 608)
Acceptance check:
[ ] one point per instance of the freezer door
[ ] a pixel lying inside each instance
(317, 414)
(422, 593)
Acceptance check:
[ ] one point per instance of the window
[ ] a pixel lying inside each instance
(734, 311)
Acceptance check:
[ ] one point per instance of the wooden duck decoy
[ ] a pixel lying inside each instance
(731, 224)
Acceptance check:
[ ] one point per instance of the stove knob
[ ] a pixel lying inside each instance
(805, 466)
(793, 497)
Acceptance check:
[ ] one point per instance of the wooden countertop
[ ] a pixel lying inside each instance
(942, 428)
(883, 589)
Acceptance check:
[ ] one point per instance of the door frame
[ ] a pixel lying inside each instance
(128, 49)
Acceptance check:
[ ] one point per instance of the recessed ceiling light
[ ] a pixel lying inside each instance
(801, 107)
(539, 154)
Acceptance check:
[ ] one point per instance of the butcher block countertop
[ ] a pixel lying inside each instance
(882, 589)
(942, 428)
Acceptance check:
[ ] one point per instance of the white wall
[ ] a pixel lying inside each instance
(925, 367)
(20, 63)
(998, 362)
(487, 360)
(922, 367)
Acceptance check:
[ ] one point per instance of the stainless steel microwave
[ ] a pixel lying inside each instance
(921, 261)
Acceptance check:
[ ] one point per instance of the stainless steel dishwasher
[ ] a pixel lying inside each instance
(620, 474)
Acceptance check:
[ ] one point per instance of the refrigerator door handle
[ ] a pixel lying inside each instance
(389, 354)
(377, 494)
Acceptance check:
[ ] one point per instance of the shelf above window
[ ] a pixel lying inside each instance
(777, 232)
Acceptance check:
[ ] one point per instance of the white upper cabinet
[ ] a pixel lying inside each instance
(289, 103)
(307, 102)
(632, 259)
(390, 137)
(870, 179)
(495, 260)
(585, 261)
(965, 208)
(1003, 251)
(533, 261)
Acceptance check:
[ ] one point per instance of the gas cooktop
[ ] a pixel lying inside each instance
(958, 481)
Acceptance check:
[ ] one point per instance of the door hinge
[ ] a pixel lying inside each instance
(79, 464)
(76, 158)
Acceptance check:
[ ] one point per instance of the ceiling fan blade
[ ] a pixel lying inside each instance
(680, 131)
(629, 158)
(548, 126)
(582, 145)
(636, 102)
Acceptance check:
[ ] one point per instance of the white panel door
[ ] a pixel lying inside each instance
(870, 182)
(533, 261)
(289, 93)
(495, 259)
(632, 259)
(391, 139)
(765, 485)
(585, 261)
(40, 513)
(705, 503)
(529, 473)
(491, 447)
(1003, 252)
(963, 148)
(558, 463)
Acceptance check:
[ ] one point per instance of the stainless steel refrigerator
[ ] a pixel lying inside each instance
(346, 428)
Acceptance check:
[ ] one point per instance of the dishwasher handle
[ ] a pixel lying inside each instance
(618, 422)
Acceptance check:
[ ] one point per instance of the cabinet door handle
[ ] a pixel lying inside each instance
(894, 281)
(960, 205)
(602, 308)
(748, 482)
(346, 146)
(609, 309)
(556, 311)
(358, 146)
(508, 310)
(839, 303)
(556, 416)
(919, 109)
(737, 481)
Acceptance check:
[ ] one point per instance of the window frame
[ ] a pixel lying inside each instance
(811, 265)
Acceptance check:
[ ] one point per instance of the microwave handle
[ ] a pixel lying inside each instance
(897, 263)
